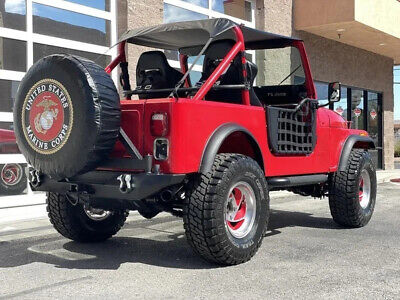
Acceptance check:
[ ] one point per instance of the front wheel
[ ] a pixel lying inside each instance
(353, 191)
(82, 224)
(226, 211)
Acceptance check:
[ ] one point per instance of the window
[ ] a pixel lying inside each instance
(13, 14)
(236, 8)
(40, 51)
(279, 67)
(70, 25)
(357, 109)
(373, 116)
(99, 4)
(239, 11)
(8, 90)
(174, 13)
(322, 92)
(341, 106)
(202, 3)
(12, 55)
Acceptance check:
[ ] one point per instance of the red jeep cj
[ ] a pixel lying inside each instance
(208, 151)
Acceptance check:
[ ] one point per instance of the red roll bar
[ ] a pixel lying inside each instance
(120, 58)
(239, 47)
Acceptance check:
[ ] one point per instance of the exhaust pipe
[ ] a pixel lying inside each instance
(166, 195)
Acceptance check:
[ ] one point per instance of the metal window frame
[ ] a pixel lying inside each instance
(210, 13)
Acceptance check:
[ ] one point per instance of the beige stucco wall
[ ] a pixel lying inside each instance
(140, 14)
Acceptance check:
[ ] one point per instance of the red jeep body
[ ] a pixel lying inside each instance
(193, 122)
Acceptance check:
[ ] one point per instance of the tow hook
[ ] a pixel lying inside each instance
(34, 178)
(125, 183)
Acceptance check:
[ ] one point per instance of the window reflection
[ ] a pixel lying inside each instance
(236, 8)
(13, 180)
(202, 3)
(13, 14)
(99, 4)
(357, 109)
(12, 55)
(322, 92)
(341, 106)
(373, 117)
(195, 77)
(176, 14)
(8, 90)
(40, 51)
(70, 25)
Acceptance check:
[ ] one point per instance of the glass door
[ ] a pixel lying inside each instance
(374, 124)
(357, 109)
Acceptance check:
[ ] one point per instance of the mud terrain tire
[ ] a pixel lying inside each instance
(66, 115)
(72, 222)
(205, 210)
(345, 198)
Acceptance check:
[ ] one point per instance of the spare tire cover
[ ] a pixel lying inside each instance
(66, 115)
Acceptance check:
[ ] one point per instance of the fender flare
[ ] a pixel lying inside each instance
(215, 141)
(351, 141)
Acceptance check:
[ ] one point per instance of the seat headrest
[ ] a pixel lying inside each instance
(152, 60)
(252, 71)
(215, 53)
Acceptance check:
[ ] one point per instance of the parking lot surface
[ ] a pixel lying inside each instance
(304, 254)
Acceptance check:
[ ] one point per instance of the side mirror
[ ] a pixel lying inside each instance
(334, 92)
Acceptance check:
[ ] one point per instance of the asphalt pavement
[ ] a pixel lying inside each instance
(304, 255)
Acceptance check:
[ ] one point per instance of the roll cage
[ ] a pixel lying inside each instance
(241, 44)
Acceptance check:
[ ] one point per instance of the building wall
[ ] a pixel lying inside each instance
(141, 14)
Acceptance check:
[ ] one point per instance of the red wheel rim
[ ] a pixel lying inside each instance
(240, 210)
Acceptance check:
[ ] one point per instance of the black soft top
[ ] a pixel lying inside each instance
(189, 37)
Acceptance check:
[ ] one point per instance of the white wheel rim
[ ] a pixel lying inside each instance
(11, 174)
(240, 210)
(364, 189)
(97, 214)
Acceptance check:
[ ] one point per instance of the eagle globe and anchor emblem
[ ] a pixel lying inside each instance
(44, 121)
(47, 116)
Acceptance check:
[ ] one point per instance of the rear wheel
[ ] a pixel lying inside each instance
(82, 224)
(353, 192)
(226, 211)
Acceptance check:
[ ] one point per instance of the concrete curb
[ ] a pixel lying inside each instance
(386, 175)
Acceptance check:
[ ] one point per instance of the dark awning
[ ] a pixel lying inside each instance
(190, 36)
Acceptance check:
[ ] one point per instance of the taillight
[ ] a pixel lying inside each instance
(159, 124)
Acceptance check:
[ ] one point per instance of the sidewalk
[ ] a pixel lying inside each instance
(386, 175)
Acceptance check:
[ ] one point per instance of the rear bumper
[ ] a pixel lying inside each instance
(107, 184)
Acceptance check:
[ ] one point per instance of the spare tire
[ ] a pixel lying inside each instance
(66, 115)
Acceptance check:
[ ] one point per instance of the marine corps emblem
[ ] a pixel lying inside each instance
(44, 120)
(47, 116)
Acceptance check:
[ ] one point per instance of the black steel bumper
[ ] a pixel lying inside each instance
(107, 184)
